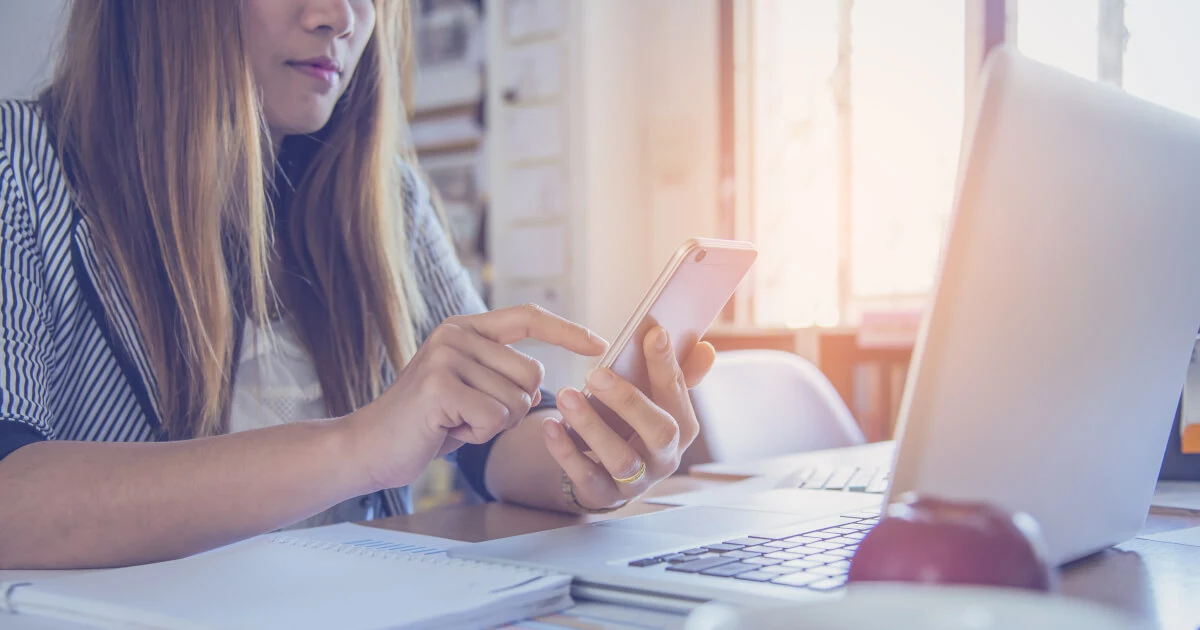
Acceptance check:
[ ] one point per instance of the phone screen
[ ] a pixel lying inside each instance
(698, 283)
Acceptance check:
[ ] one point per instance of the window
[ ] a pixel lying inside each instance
(1146, 46)
(856, 120)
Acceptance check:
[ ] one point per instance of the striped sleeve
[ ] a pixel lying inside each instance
(26, 344)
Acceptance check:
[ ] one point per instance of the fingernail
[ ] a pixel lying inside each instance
(537, 398)
(552, 429)
(567, 397)
(600, 379)
(661, 342)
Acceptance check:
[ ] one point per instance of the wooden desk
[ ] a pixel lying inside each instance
(1152, 580)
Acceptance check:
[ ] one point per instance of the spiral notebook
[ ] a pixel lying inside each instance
(279, 581)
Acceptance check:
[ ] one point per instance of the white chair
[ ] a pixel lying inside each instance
(760, 403)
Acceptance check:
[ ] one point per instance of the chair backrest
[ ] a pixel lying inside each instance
(759, 403)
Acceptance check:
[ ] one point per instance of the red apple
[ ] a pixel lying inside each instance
(929, 540)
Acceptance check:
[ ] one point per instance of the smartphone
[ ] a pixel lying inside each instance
(685, 299)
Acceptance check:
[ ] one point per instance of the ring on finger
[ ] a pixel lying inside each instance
(634, 478)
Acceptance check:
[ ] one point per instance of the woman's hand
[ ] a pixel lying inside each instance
(663, 422)
(463, 385)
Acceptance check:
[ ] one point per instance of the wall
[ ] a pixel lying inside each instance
(28, 32)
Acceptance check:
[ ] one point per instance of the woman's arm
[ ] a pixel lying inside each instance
(76, 504)
(88, 504)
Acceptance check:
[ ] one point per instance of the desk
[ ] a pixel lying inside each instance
(1152, 580)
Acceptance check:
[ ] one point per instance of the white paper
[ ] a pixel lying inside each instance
(533, 70)
(536, 192)
(533, 133)
(374, 537)
(535, 252)
(1180, 495)
(281, 582)
(1190, 537)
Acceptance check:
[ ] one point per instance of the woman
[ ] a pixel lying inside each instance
(228, 306)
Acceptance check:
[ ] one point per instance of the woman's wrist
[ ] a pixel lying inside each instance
(347, 446)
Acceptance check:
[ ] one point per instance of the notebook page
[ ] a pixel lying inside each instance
(290, 583)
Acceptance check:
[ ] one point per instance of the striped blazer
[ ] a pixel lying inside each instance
(72, 362)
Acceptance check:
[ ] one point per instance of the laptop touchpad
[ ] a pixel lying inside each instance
(702, 521)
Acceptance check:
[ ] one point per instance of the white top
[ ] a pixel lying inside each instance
(277, 385)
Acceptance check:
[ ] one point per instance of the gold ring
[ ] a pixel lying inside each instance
(641, 472)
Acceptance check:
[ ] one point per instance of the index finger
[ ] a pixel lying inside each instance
(530, 321)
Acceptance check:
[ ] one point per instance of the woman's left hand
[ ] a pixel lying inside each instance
(663, 422)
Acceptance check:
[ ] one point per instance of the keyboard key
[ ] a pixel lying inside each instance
(740, 554)
(645, 562)
(859, 527)
(729, 570)
(703, 564)
(818, 479)
(676, 558)
(757, 576)
(867, 513)
(760, 549)
(763, 561)
(828, 584)
(781, 544)
(797, 479)
(857, 536)
(843, 552)
(801, 564)
(825, 545)
(821, 535)
(828, 570)
(803, 540)
(723, 547)
(861, 479)
(694, 552)
(840, 478)
(784, 555)
(869, 521)
(779, 569)
(851, 547)
(842, 541)
(823, 558)
(841, 531)
(803, 578)
(878, 486)
(747, 541)
(844, 564)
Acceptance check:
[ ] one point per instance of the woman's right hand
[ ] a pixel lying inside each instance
(463, 385)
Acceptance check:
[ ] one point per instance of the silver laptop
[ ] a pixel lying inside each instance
(1045, 378)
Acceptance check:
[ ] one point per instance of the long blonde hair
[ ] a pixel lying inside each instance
(156, 111)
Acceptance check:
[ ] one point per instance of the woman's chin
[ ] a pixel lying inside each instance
(299, 123)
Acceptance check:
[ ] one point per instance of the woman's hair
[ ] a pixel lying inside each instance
(157, 116)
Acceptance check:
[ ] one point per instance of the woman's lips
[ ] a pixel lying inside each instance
(324, 73)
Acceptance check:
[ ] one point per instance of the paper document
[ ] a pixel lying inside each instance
(1190, 537)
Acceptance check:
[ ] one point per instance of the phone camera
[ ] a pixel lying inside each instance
(700, 255)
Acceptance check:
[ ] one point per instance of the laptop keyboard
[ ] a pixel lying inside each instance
(814, 557)
(848, 478)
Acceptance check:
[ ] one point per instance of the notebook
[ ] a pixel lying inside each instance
(291, 581)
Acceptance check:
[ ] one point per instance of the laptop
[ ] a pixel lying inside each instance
(1045, 377)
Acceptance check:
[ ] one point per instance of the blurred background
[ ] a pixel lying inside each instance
(576, 143)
